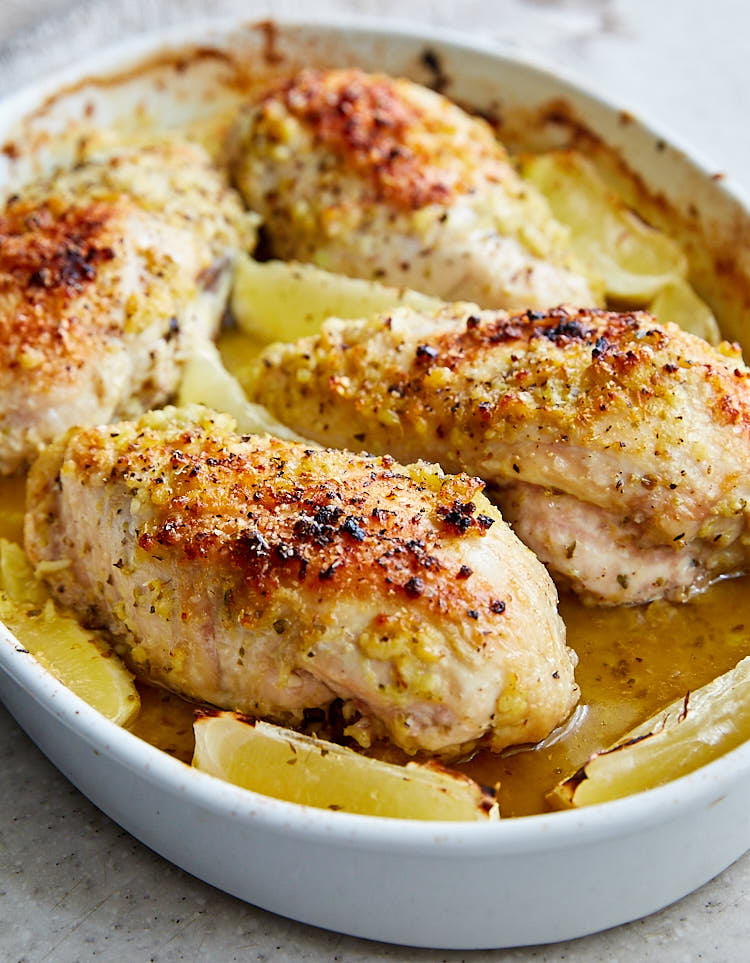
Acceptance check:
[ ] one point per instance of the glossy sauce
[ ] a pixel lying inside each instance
(632, 661)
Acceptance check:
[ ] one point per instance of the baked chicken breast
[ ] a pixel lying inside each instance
(617, 448)
(109, 274)
(261, 575)
(383, 179)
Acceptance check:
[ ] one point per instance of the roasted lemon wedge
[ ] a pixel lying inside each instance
(77, 657)
(679, 303)
(205, 381)
(280, 301)
(634, 260)
(680, 738)
(279, 762)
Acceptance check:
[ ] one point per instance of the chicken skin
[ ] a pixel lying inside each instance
(109, 274)
(261, 575)
(383, 179)
(617, 448)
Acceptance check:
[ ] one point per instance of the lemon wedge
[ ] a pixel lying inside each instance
(281, 763)
(283, 301)
(680, 738)
(77, 657)
(205, 381)
(634, 260)
(679, 303)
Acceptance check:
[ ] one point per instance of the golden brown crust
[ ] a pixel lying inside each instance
(50, 257)
(500, 370)
(366, 121)
(275, 513)
(618, 359)
(52, 253)
(110, 272)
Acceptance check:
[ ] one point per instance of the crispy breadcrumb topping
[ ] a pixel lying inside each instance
(280, 513)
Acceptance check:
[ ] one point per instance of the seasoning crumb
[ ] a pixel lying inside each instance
(414, 587)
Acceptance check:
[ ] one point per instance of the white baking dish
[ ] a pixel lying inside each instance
(529, 880)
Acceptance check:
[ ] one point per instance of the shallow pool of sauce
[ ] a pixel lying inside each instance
(632, 661)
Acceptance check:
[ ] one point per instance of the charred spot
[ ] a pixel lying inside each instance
(285, 551)
(497, 606)
(567, 330)
(54, 254)
(327, 573)
(464, 572)
(418, 550)
(252, 545)
(461, 517)
(426, 352)
(503, 330)
(381, 514)
(458, 515)
(308, 529)
(353, 526)
(600, 347)
(319, 527)
(328, 515)
(414, 587)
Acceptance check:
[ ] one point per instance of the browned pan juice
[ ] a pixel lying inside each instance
(632, 661)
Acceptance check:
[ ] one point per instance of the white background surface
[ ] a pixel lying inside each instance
(73, 886)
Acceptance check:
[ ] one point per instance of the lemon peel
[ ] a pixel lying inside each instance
(285, 764)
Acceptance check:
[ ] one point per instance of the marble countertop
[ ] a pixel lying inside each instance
(73, 885)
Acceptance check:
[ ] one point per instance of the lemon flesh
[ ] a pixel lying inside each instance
(675, 741)
(279, 762)
(77, 657)
(280, 301)
(205, 381)
(633, 260)
(678, 302)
